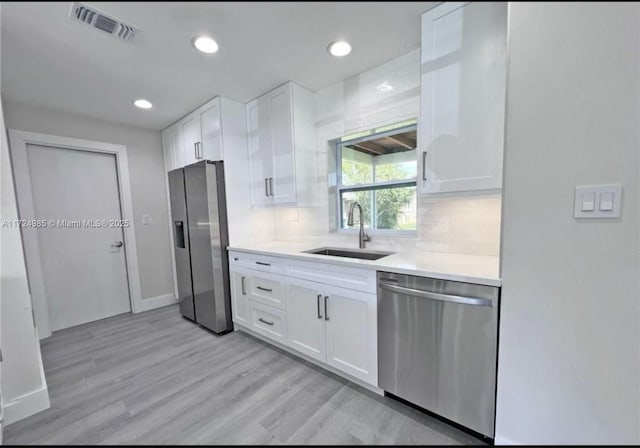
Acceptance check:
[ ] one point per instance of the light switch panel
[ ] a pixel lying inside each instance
(146, 220)
(598, 201)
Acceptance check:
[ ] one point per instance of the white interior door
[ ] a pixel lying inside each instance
(84, 270)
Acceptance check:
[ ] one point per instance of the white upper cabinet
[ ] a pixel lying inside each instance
(199, 135)
(282, 156)
(463, 60)
(261, 160)
(211, 131)
(191, 138)
(172, 148)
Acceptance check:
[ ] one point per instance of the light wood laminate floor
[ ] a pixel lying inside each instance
(156, 378)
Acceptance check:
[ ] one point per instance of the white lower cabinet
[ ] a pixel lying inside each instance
(239, 282)
(337, 326)
(305, 318)
(334, 325)
(352, 329)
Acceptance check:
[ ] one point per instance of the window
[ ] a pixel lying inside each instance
(378, 170)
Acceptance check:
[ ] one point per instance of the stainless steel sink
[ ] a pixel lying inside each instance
(362, 254)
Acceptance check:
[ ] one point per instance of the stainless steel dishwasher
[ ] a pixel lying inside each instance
(437, 343)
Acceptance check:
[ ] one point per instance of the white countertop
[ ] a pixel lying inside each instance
(479, 269)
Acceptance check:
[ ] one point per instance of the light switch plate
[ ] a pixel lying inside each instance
(598, 201)
(146, 220)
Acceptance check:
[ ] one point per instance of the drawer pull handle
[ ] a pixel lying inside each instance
(265, 321)
(262, 263)
(264, 289)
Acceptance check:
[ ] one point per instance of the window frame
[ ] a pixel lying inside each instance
(340, 189)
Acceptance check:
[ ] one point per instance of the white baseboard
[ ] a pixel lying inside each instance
(26, 405)
(155, 302)
(504, 441)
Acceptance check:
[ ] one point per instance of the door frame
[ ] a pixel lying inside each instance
(18, 141)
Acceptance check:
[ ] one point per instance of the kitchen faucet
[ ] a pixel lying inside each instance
(362, 237)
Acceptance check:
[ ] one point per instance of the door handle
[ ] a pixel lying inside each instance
(195, 150)
(439, 297)
(271, 186)
(424, 165)
(265, 321)
(264, 289)
(326, 310)
(117, 244)
(319, 312)
(244, 291)
(200, 150)
(266, 186)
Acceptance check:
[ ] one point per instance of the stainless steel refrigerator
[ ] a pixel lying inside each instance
(199, 215)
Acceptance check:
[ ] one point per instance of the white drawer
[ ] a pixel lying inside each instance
(268, 289)
(266, 263)
(269, 322)
(334, 275)
(239, 259)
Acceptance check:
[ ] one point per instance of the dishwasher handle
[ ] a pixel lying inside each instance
(436, 296)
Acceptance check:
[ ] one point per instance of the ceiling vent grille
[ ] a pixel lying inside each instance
(97, 19)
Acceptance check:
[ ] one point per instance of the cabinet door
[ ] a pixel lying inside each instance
(284, 167)
(463, 61)
(351, 327)
(239, 281)
(211, 131)
(260, 153)
(172, 148)
(191, 138)
(305, 318)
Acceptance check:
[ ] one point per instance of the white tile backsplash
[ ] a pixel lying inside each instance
(469, 224)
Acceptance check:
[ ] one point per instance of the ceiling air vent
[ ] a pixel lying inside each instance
(97, 19)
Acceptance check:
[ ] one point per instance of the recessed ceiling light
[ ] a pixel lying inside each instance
(340, 48)
(142, 104)
(205, 44)
(384, 87)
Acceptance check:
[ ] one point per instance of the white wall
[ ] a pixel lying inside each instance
(569, 364)
(146, 171)
(24, 388)
(461, 224)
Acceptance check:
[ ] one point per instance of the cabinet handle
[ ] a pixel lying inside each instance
(271, 186)
(244, 291)
(262, 263)
(266, 186)
(195, 150)
(264, 289)
(265, 321)
(319, 312)
(199, 147)
(326, 310)
(424, 165)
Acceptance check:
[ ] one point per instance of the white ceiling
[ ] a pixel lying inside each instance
(52, 61)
